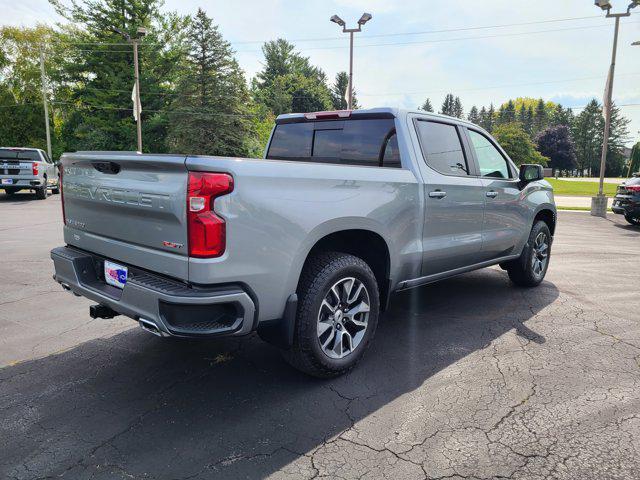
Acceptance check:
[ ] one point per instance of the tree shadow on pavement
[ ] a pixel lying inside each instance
(140, 406)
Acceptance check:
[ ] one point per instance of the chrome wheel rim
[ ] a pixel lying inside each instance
(540, 254)
(343, 317)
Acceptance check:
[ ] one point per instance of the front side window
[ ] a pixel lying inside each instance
(442, 148)
(490, 160)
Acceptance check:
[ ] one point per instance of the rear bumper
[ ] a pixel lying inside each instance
(20, 182)
(625, 206)
(175, 308)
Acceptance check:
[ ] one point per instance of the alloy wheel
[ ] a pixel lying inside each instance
(540, 254)
(343, 317)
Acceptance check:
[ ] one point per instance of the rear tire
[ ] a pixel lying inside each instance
(337, 315)
(633, 219)
(10, 191)
(530, 269)
(42, 192)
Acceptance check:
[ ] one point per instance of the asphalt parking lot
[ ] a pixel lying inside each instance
(468, 378)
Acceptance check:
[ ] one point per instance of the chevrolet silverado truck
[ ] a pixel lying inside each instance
(306, 245)
(27, 169)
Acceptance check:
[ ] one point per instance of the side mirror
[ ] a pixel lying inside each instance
(531, 173)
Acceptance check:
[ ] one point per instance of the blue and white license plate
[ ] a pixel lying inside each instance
(7, 181)
(115, 274)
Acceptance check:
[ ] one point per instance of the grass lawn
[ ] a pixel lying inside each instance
(588, 189)
(580, 209)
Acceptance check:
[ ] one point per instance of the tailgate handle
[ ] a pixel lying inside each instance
(110, 168)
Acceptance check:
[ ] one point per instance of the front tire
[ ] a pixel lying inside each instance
(633, 219)
(530, 269)
(337, 315)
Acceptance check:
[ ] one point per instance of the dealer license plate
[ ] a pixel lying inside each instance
(115, 274)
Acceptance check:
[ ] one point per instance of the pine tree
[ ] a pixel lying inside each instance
(527, 122)
(458, 111)
(426, 106)
(289, 82)
(339, 92)
(587, 135)
(541, 117)
(211, 114)
(482, 121)
(448, 106)
(99, 78)
(474, 116)
(491, 114)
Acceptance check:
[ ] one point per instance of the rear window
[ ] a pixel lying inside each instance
(8, 154)
(369, 142)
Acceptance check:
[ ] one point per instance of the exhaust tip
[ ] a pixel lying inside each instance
(150, 327)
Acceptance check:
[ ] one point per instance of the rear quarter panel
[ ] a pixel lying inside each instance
(279, 210)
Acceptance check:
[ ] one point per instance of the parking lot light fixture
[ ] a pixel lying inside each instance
(599, 202)
(363, 19)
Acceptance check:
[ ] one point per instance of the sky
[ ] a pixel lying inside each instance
(403, 56)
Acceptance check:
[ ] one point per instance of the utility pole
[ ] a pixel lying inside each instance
(137, 102)
(44, 102)
(599, 202)
(363, 19)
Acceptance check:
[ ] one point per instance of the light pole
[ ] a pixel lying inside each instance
(363, 19)
(599, 203)
(137, 102)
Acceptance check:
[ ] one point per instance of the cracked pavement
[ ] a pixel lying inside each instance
(469, 378)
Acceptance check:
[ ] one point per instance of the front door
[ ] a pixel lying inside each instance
(454, 198)
(505, 214)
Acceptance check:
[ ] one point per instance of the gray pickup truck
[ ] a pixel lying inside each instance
(27, 169)
(306, 245)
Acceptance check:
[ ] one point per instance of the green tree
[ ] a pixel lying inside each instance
(426, 106)
(561, 116)
(288, 82)
(474, 115)
(458, 111)
(339, 92)
(448, 106)
(507, 113)
(518, 145)
(634, 160)
(587, 135)
(211, 113)
(97, 72)
(21, 108)
(541, 117)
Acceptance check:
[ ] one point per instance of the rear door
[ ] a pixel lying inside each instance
(505, 214)
(454, 198)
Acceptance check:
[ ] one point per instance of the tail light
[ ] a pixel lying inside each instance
(61, 170)
(34, 168)
(207, 231)
(633, 188)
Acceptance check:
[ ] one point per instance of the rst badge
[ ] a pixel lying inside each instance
(115, 274)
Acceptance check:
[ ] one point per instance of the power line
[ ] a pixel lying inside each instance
(379, 35)
(443, 40)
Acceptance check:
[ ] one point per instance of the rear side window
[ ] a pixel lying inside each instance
(291, 142)
(442, 148)
(347, 142)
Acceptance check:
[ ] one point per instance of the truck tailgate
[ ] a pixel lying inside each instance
(128, 207)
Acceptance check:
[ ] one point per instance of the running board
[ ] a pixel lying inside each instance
(417, 282)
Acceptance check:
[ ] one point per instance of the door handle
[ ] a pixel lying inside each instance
(492, 194)
(437, 194)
